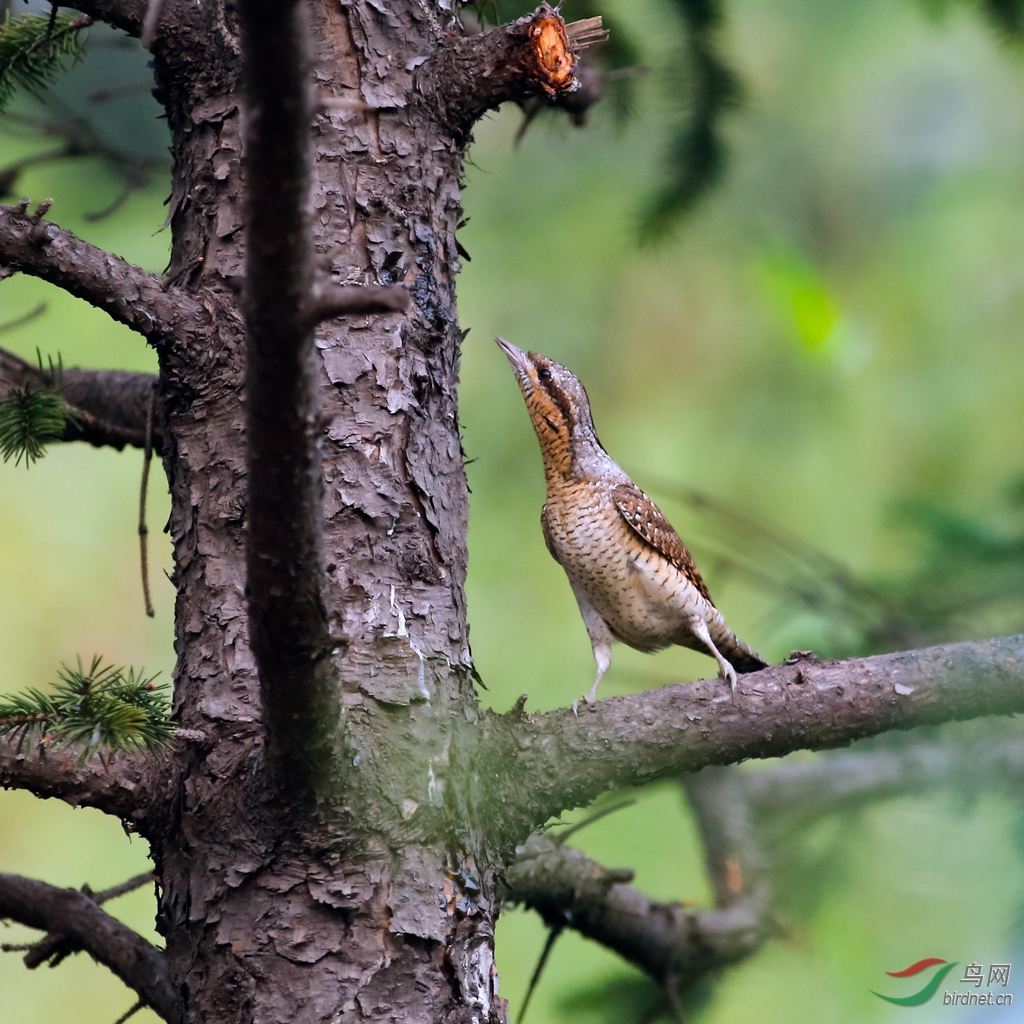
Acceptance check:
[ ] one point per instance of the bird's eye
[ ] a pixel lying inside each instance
(544, 373)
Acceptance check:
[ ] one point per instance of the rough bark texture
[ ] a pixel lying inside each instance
(37, 246)
(545, 763)
(375, 907)
(378, 901)
(127, 786)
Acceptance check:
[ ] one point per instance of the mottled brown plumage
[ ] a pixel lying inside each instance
(632, 576)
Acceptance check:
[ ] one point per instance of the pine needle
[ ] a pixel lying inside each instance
(32, 416)
(32, 54)
(29, 419)
(102, 708)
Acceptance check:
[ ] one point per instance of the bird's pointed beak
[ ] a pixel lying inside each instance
(516, 356)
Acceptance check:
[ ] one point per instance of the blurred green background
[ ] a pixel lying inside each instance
(831, 344)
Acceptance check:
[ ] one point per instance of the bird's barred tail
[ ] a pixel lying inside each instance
(738, 654)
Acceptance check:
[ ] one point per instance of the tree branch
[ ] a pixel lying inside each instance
(111, 404)
(127, 293)
(735, 810)
(547, 763)
(126, 785)
(54, 947)
(852, 779)
(674, 945)
(126, 15)
(138, 963)
(469, 75)
(284, 555)
(330, 300)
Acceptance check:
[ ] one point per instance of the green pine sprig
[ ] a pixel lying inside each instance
(33, 54)
(100, 709)
(32, 416)
(29, 419)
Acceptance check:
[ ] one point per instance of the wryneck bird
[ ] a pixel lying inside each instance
(632, 576)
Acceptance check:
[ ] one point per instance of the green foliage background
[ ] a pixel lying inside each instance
(834, 333)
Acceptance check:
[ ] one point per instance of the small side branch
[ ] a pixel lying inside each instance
(741, 815)
(126, 15)
(138, 963)
(330, 300)
(674, 945)
(110, 405)
(843, 781)
(54, 947)
(31, 245)
(555, 761)
(537, 54)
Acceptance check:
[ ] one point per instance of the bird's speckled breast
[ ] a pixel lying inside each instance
(604, 558)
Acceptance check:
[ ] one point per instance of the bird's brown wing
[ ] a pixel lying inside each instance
(647, 521)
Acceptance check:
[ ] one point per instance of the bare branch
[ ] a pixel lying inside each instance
(111, 404)
(127, 293)
(138, 963)
(674, 945)
(54, 947)
(851, 779)
(555, 761)
(537, 54)
(126, 15)
(328, 301)
(735, 862)
(126, 785)
(284, 556)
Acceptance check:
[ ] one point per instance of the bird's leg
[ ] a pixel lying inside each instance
(600, 639)
(603, 657)
(699, 628)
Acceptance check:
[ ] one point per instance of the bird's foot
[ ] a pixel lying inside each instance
(727, 672)
(575, 705)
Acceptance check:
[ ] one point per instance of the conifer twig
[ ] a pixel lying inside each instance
(101, 709)
(143, 528)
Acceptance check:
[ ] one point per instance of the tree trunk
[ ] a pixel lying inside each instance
(380, 905)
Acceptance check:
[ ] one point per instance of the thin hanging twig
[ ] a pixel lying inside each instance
(135, 1009)
(143, 528)
(539, 969)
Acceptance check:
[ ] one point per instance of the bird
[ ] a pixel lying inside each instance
(633, 579)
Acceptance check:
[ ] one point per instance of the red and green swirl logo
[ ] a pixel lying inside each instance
(924, 994)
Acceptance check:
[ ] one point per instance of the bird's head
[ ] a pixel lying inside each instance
(558, 406)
